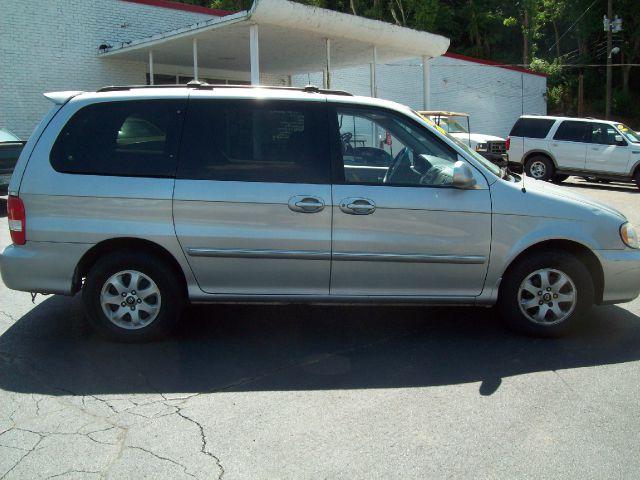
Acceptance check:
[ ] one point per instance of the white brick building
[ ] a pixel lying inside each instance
(48, 45)
(495, 96)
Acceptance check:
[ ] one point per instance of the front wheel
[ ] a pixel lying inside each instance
(546, 294)
(637, 178)
(132, 296)
(540, 168)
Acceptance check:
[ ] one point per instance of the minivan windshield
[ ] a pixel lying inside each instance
(487, 164)
(630, 135)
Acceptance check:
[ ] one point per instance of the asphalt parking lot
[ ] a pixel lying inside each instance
(307, 392)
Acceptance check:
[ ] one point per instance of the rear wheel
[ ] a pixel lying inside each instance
(546, 294)
(132, 296)
(637, 178)
(540, 168)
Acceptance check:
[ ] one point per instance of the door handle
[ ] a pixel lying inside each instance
(306, 204)
(357, 206)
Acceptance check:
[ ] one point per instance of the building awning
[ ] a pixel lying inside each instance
(292, 39)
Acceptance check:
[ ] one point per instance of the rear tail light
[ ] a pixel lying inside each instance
(508, 142)
(17, 220)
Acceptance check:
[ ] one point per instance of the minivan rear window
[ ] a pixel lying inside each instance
(127, 138)
(531, 127)
(255, 141)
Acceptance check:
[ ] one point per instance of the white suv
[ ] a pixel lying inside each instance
(552, 148)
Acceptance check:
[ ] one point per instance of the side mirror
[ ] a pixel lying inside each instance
(463, 176)
(620, 141)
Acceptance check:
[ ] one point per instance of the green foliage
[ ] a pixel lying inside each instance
(561, 38)
(510, 22)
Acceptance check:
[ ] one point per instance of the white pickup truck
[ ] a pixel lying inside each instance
(491, 147)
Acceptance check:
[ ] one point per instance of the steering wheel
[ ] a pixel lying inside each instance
(345, 141)
(395, 165)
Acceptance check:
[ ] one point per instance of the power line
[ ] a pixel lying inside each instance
(573, 25)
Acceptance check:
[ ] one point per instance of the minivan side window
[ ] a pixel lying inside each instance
(531, 127)
(379, 147)
(255, 141)
(571, 131)
(127, 138)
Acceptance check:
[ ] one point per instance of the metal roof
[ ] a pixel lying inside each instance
(292, 40)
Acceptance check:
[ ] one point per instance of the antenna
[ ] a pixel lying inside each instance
(524, 173)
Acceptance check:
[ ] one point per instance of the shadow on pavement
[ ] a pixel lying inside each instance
(610, 187)
(264, 348)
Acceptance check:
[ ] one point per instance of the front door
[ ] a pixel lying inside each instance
(399, 227)
(604, 153)
(252, 201)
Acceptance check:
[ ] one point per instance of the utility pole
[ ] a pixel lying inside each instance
(611, 25)
(607, 113)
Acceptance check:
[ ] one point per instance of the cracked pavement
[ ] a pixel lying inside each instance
(306, 392)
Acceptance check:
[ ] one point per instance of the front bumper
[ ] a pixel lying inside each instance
(43, 267)
(621, 270)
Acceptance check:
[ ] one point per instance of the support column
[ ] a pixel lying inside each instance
(254, 52)
(328, 76)
(195, 59)
(426, 84)
(151, 67)
(372, 67)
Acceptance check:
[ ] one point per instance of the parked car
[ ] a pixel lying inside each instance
(489, 146)
(253, 195)
(10, 148)
(552, 148)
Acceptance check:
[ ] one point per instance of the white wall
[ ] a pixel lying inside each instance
(48, 45)
(492, 95)
(495, 97)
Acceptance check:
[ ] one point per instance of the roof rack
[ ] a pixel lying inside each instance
(206, 86)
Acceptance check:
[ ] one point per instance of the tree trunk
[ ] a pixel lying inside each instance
(557, 36)
(352, 3)
(581, 95)
(525, 36)
(581, 48)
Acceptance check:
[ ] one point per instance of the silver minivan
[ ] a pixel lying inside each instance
(147, 198)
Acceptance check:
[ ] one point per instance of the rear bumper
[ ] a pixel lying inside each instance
(621, 270)
(43, 267)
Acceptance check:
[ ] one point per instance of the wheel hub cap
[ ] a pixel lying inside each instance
(130, 299)
(537, 169)
(547, 296)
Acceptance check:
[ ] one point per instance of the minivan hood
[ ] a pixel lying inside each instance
(546, 199)
(563, 192)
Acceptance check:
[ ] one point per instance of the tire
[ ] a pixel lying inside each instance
(540, 168)
(637, 178)
(559, 178)
(519, 298)
(131, 273)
